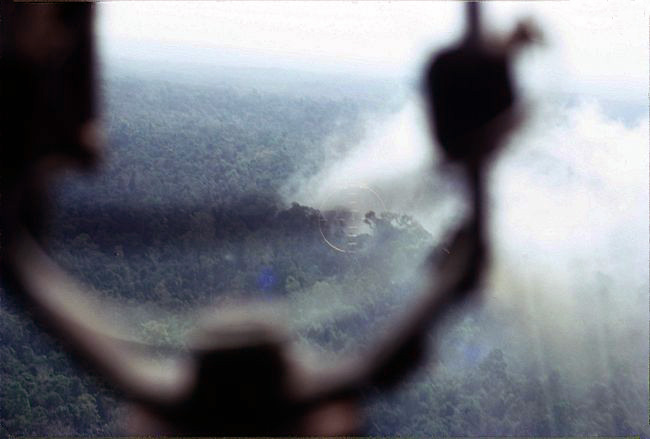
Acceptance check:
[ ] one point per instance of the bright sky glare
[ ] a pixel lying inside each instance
(597, 45)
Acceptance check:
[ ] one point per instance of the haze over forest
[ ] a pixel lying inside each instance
(211, 194)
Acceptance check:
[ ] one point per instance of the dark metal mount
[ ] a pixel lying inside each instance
(240, 378)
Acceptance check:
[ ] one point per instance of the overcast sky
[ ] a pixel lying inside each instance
(598, 47)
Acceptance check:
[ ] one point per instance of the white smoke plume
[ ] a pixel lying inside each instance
(569, 220)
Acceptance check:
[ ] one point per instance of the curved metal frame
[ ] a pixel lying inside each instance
(186, 400)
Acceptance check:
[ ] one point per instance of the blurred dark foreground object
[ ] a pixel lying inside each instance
(471, 93)
(48, 117)
(241, 378)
